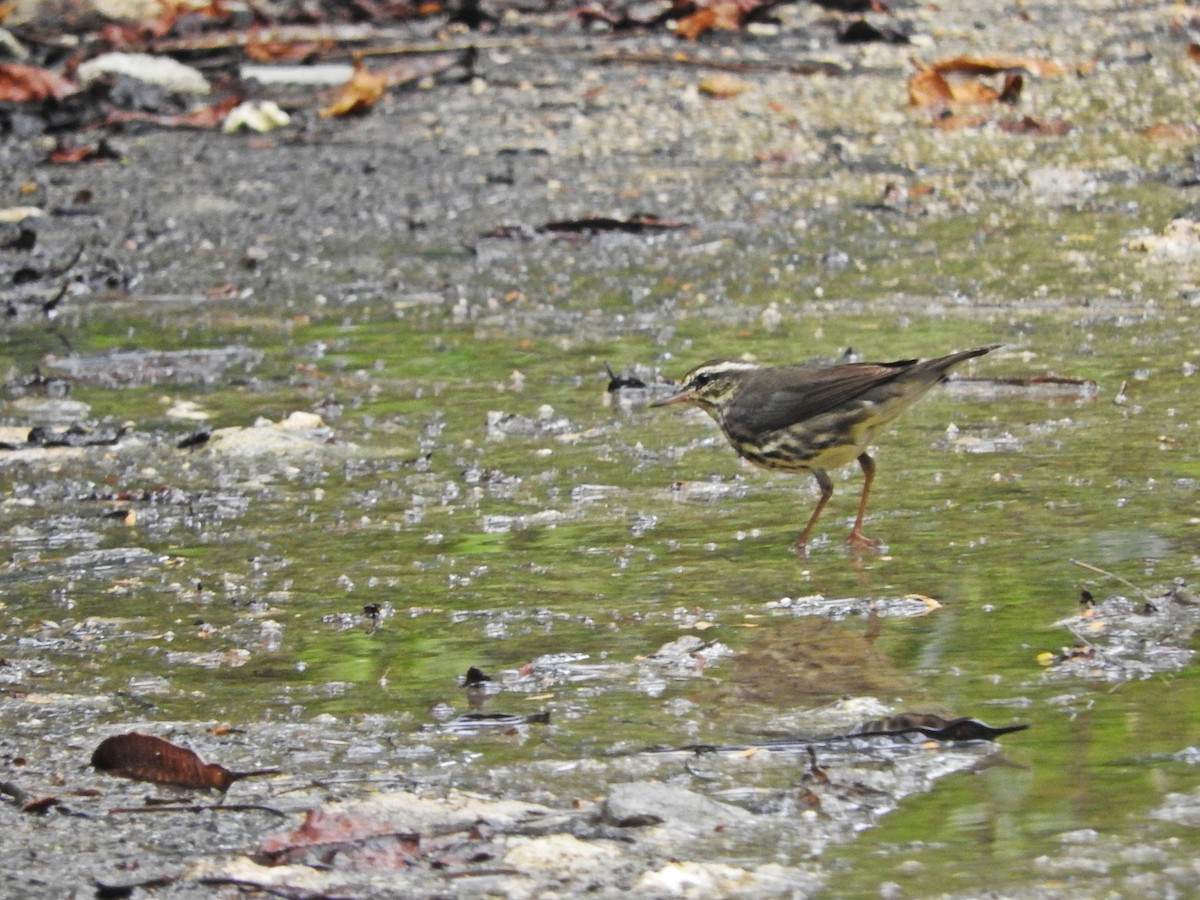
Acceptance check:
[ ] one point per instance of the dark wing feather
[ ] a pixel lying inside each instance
(797, 393)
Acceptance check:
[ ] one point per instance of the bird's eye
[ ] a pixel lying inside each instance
(701, 379)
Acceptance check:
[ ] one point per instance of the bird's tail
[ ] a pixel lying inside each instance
(944, 364)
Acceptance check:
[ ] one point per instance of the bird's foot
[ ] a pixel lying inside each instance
(859, 541)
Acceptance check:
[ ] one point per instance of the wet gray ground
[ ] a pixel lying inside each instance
(224, 247)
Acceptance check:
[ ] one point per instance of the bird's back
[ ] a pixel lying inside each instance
(825, 415)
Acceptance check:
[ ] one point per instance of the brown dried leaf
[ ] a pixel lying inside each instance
(41, 805)
(267, 50)
(144, 757)
(722, 15)
(928, 87)
(994, 65)
(1193, 52)
(65, 153)
(931, 87)
(722, 86)
(973, 92)
(21, 83)
(1171, 131)
(326, 832)
(360, 93)
(691, 27)
(71, 154)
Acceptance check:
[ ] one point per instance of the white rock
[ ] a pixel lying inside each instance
(160, 70)
(255, 115)
(564, 854)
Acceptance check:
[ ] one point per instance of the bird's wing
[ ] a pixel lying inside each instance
(816, 391)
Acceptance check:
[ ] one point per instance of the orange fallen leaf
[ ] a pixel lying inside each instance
(931, 87)
(722, 15)
(360, 93)
(994, 65)
(973, 92)
(691, 27)
(1171, 131)
(928, 87)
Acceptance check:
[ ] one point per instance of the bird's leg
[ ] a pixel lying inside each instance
(826, 486)
(857, 538)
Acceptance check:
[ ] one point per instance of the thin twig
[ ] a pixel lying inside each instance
(199, 807)
(1124, 581)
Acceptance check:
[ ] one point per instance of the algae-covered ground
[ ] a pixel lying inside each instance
(325, 424)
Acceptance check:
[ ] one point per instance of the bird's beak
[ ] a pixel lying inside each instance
(681, 397)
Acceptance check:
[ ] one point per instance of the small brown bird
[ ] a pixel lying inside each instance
(811, 418)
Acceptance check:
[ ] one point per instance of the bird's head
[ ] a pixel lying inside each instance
(711, 385)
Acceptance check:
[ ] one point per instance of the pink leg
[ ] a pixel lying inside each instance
(857, 538)
(826, 486)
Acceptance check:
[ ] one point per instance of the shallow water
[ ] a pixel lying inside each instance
(613, 532)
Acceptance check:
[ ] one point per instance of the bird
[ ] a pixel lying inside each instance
(805, 418)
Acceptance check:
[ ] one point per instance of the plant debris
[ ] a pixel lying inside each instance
(144, 757)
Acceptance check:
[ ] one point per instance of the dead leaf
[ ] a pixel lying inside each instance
(928, 87)
(1193, 52)
(144, 757)
(722, 86)
(691, 27)
(360, 93)
(931, 87)
(326, 833)
(64, 153)
(21, 83)
(722, 15)
(40, 805)
(973, 92)
(1171, 131)
(994, 65)
(268, 50)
